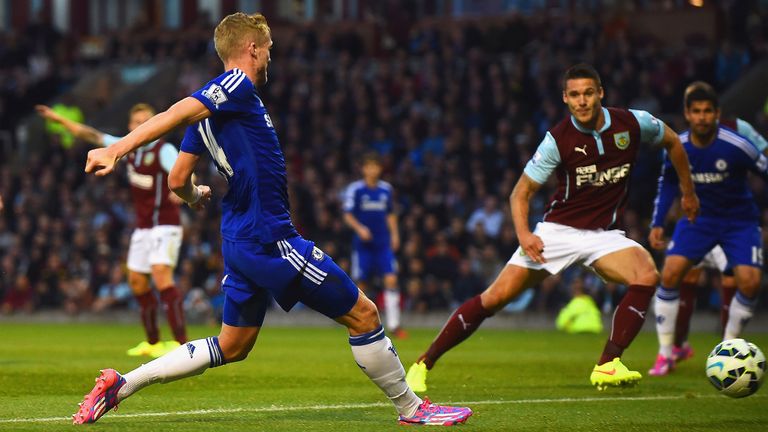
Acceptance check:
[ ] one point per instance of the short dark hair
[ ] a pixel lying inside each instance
(700, 91)
(370, 157)
(581, 70)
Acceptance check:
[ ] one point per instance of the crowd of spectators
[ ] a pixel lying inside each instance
(456, 109)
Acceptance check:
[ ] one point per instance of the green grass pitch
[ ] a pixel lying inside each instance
(304, 379)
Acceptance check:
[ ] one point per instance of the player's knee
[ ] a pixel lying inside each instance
(363, 318)
(235, 347)
(236, 352)
(369, 314)
(668, 279)
(750, 287)
(647, 276)
(495, 297)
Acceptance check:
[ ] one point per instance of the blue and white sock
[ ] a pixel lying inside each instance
(377, 358)
(667, 303)
(739, 314)
(189, 359)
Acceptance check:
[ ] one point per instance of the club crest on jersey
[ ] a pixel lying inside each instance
(721, 164)
(317, 254)
(149, 158)
(215, 94)
(622, 140)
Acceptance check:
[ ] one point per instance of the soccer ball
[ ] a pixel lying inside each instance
(736, 367)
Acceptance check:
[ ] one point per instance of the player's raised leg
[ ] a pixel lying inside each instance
(193, 358)
(242, 319)
(467, 318)
(634, 268)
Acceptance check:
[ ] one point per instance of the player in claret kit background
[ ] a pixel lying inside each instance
(720, 158)
(369, 211)
(592, 153)
(156, 240)
(264, 257)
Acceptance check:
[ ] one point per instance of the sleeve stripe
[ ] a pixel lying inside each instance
(739, 142)
(230, 78)
(233, 85)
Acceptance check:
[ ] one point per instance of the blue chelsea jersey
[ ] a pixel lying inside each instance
(370, 206)
(241, 139)
(719, 173)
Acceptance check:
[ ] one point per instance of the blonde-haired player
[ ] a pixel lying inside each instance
(264, 256)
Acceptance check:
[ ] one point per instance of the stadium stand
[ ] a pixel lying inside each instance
(454, 106)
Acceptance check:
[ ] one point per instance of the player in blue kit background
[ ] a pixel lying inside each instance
(263, 254)
(720, 160)
(369, 211)
(715, 259)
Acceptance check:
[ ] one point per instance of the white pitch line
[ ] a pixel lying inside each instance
(275, 408)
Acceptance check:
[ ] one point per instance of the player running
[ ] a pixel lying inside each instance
(263, 254)
(592, 153)
(156, 240)
(720, 160)
(369, 211)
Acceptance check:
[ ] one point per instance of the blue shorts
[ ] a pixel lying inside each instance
(741, 241)
(290, 271)
(368, 262)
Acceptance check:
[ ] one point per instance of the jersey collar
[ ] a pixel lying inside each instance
(605, 127)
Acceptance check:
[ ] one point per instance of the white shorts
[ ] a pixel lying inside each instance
(715, 259)
(565, 246)
(154, 246)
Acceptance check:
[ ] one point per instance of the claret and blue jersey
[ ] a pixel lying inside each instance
(593, 167)
(729, 216)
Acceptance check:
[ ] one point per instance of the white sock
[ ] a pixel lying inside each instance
(190, 359)
(666, 306)
(739, 314)
(377, 357)
(392, 308)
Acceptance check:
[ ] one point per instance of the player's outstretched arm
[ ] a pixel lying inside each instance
(688, 201)
(79, 130)
(184, 112)
(180, 181)
(519, 202)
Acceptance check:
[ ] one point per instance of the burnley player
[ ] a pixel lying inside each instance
(264, 257)
(592, 153)
(369, 211)
(720, 160)
(154, 249)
